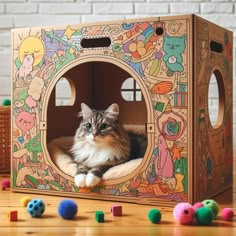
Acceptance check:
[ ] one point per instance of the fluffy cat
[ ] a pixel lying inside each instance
(174, 47)
(100, 143)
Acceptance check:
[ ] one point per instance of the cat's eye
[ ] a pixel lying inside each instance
(89, 126)
(104, 126)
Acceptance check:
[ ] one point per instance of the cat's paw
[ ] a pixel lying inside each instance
(92, 180)
(80, 180)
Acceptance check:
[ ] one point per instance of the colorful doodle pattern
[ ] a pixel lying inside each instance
(159, 59)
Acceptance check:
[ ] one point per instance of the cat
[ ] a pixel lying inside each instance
(174, 47)
(100, 142)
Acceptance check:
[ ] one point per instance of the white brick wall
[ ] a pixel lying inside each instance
(26, 13)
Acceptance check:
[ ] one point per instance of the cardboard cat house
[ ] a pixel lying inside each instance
(158, 70)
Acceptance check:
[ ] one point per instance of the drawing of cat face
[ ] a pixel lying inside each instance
(174, 45)
(25, 121)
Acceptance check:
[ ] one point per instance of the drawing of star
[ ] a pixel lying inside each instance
(71, 51)
(68, 33)
(176, 152)
(123, 189)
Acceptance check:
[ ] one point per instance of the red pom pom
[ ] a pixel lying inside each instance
(197, 205)
(6, 183)
(227, 214)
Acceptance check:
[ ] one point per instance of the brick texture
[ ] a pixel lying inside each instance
(29, 13)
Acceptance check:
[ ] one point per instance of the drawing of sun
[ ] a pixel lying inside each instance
(31, 45)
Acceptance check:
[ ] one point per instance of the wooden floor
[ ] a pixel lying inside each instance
(133, 222)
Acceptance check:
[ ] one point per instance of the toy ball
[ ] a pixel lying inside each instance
(6, 102)
(184, 213)
(204, 216)
(227, 214)
(6, 183)
(36, 208)
(154, 215)
(212, 205)
(67, 209)
(197, 205)
(24, 201)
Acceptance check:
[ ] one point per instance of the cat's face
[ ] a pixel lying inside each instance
(98, 127)
(174, 44)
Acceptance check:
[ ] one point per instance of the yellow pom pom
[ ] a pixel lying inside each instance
(24, 201)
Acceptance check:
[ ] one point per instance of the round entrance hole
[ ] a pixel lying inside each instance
(216, 99)
(98, 85)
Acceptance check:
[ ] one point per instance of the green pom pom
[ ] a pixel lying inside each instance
(154, 215)
(212, 205)
(6, 102)
(204, 216)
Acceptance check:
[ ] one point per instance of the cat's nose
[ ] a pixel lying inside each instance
(95, 134)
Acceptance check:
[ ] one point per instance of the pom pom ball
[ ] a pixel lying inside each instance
(197, 205)
(227, 214)
(24, 201)
(6, 183)
(6, 102)
(154, 215)
(204, 216)
(67, 209)
(183, 213)
(212, 205)
(36, 208)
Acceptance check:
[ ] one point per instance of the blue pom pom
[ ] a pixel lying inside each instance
(36, 208)
(67, 209)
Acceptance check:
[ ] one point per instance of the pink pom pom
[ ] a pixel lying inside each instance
(197, 205)
(227, 214)
(184, 213)
(6, 183)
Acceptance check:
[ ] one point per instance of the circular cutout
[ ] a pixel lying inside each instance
(216, 98)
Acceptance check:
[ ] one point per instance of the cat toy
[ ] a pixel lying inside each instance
(204, 215)
(227, 214)
(67, 209)
(5, 183)
(36, 208)
(212, 205)
(184, 213)
(154, 215)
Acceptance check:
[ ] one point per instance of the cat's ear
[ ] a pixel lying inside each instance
(183, 37)
(166, 36)
(112, 111)
(86, 111)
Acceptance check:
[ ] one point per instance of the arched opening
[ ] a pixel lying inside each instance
(98, 84)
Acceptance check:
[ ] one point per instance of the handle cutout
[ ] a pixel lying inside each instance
(216, 47)
(96, 42)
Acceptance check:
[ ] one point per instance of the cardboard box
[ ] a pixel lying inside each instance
(169, 61)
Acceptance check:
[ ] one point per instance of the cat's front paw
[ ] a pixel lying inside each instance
(80, 180)
(92, 180)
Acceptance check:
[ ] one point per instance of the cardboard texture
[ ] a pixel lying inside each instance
(171, 60)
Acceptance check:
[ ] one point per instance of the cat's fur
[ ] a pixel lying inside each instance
(100, 143)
